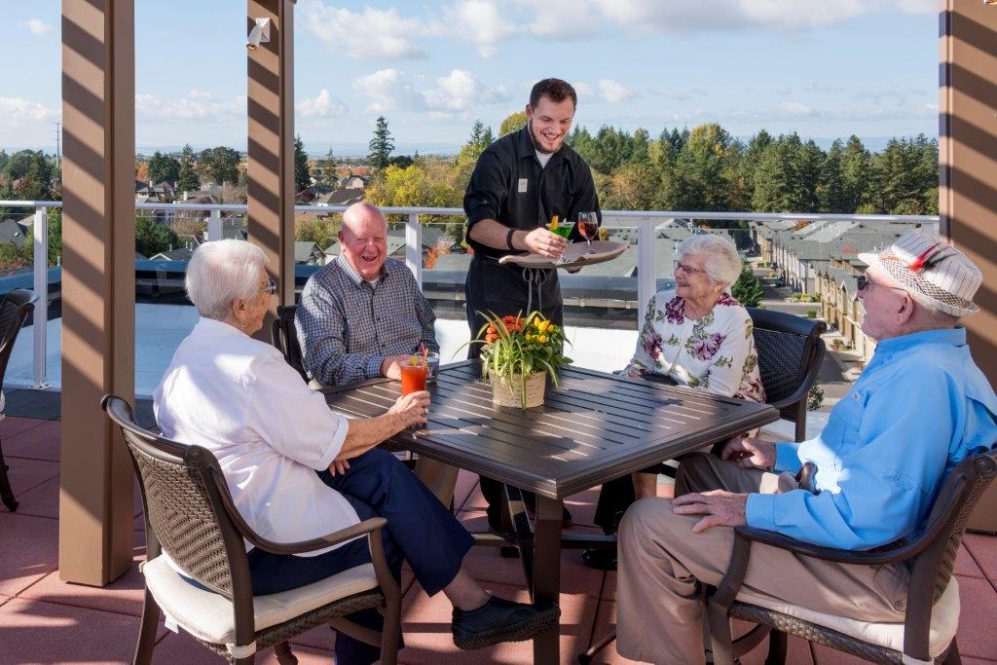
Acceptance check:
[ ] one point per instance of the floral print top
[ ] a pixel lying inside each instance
(716, 353)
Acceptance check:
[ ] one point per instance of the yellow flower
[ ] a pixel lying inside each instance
(542, 339)
(542, 326)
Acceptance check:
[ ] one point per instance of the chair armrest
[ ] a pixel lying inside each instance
(367, 526)
(334, 538)
(896, 552)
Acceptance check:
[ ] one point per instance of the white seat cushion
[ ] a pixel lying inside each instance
(210, 617)
(944, 621)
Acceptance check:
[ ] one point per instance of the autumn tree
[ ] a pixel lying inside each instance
(513, 123)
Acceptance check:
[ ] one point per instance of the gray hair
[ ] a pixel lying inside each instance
(222, 271)
(723, 264)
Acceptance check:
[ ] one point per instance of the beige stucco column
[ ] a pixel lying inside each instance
(968, 155)
(98, 285)
(968, 173)
(271, 144)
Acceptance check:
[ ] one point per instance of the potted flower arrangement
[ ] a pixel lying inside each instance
(519, 353)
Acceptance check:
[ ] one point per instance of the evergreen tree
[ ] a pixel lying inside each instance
(856, 174)
(811, 166)
(220, 164)
(381, 145)
(747, 289)
(302, 174)
(703, 170)
(152, 237)
(831, 190)
(187, 180)
(163, 168)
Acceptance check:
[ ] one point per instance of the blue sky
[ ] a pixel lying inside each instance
(824, 69)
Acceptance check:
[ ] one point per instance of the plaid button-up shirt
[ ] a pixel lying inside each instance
(347, 327)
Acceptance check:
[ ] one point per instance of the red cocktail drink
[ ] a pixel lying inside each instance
(414, 377)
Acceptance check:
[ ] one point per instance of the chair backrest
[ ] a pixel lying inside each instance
(182, 498)
(14, 310)
(284, 335)
(790, 352)
(943, 530)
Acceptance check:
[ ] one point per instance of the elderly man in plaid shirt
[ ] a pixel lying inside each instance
(362, 315)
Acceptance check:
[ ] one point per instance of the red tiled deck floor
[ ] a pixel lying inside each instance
(44, 620)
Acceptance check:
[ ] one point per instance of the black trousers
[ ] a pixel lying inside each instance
(505, 289)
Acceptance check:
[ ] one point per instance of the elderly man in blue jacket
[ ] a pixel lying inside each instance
(869, 478)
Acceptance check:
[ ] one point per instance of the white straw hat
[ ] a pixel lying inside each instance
(935, 274)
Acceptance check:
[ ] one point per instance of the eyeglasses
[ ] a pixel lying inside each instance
(270, 288)
(864, 282)
(687, 269)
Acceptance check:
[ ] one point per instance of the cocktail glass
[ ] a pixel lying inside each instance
(563, 229)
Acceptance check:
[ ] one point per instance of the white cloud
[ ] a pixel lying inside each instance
(388, 90)
(17, 110)
(455, 92)
(613, 91)
(560, 19)
(39, 27)
(583, 90)
(197, 106)
(794, 108)
(373, 33)
(481, 23)
(783, 15)
(322, 105)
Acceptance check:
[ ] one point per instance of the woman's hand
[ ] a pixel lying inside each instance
(339, 467)
(750, 453)
(412, 408)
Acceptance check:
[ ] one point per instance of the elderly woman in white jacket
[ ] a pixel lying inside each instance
(297, 471)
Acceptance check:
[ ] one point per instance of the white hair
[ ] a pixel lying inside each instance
(222, 271)
(723, 264)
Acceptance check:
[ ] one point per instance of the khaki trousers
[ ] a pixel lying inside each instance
(662, 566)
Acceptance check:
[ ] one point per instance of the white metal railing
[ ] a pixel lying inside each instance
(644, 220)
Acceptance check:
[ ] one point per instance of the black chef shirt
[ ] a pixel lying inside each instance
(509, 186)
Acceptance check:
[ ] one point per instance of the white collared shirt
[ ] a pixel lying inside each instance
(237, 397)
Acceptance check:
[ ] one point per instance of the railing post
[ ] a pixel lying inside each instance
(215, 225)
(647, 272)
(40, 341)
(413, 247)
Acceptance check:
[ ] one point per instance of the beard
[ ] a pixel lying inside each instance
(536, 142)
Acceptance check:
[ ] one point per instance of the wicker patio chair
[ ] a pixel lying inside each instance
(284, 336)
(932, 608)
(790, 353)
(14, 309)
(192, 524)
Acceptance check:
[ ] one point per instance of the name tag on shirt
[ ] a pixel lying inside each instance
(522, 185)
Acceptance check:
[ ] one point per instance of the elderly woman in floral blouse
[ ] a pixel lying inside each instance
(696, 335)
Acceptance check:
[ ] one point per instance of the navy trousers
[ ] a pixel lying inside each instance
(419, 530)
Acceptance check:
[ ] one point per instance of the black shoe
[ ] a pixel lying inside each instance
(501, 620)
(599, 558)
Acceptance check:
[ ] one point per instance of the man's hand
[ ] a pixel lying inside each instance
(750, 453)
(543, 242)
(391, 366)
(339, 466)
(412, 408)
(721, 508)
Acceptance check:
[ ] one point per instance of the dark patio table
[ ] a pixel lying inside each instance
(596, 428)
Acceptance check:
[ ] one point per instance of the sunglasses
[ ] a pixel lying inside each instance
(864, 282)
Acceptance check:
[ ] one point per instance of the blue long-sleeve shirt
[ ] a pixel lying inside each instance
(918, 408)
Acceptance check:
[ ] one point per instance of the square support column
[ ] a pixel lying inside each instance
(98, 286)
(270, 174)
(967, 194)
(968, 156)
